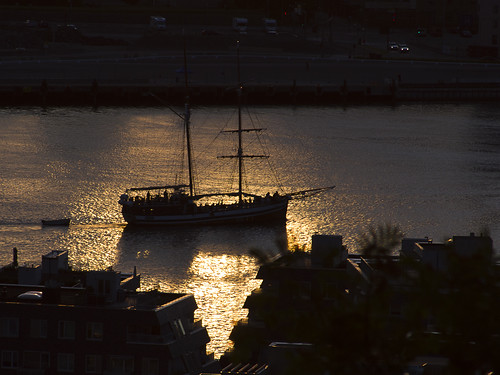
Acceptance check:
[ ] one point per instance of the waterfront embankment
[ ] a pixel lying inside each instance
(127, 64)
(125, 94)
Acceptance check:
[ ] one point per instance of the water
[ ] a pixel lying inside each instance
(434, 170)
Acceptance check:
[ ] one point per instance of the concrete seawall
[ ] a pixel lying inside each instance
(132, 94)
(142, 94)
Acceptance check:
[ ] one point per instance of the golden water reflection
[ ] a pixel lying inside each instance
(92, 247)
(221, 283)
(212, 263)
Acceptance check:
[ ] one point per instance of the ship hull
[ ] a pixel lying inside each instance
(272, 212)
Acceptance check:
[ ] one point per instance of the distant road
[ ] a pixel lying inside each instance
(220, 69)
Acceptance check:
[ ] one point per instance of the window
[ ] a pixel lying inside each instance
(38, 328)
(36, 360)
(395, 308)
(122, 365)
(303, 289)
(94, 331)
(66, 330)
(104, 287)
(65, 362)
(144, 333)
(150, 366)
(93, 364)
(189, 360)
(331, 291)
(9, 327)
(178, 328)
(10, 359)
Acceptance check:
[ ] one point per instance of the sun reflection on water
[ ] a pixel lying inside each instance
(91, 247)
(221, 283)
(212, 263)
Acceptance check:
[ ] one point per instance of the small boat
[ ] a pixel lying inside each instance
(56, 223)
(178, 204)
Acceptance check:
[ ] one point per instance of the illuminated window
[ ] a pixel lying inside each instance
(94, 331)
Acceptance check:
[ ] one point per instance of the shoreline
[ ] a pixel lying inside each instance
(95, 94)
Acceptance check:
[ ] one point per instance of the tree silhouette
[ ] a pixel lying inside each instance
(400, 308)
(464, 302)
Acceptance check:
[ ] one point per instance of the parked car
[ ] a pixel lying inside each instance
(157, 23)
(240, 25)
(270, 26)
(393, 46)
(403, 48)
(42, 24)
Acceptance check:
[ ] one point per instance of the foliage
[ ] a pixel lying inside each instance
(464, 303)
(264, 256)
(452, 313)
(380, 241)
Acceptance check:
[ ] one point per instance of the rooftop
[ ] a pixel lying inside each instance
(54, 282)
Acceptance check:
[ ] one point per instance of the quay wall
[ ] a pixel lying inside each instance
(141, 94)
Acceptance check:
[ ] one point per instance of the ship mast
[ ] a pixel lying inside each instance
(187, 115)
(239, 155)
(240, 148)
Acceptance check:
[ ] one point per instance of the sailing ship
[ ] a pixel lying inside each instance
(178, 204)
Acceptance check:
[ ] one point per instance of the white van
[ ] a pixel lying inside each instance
(240, 25)
(157, 23)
